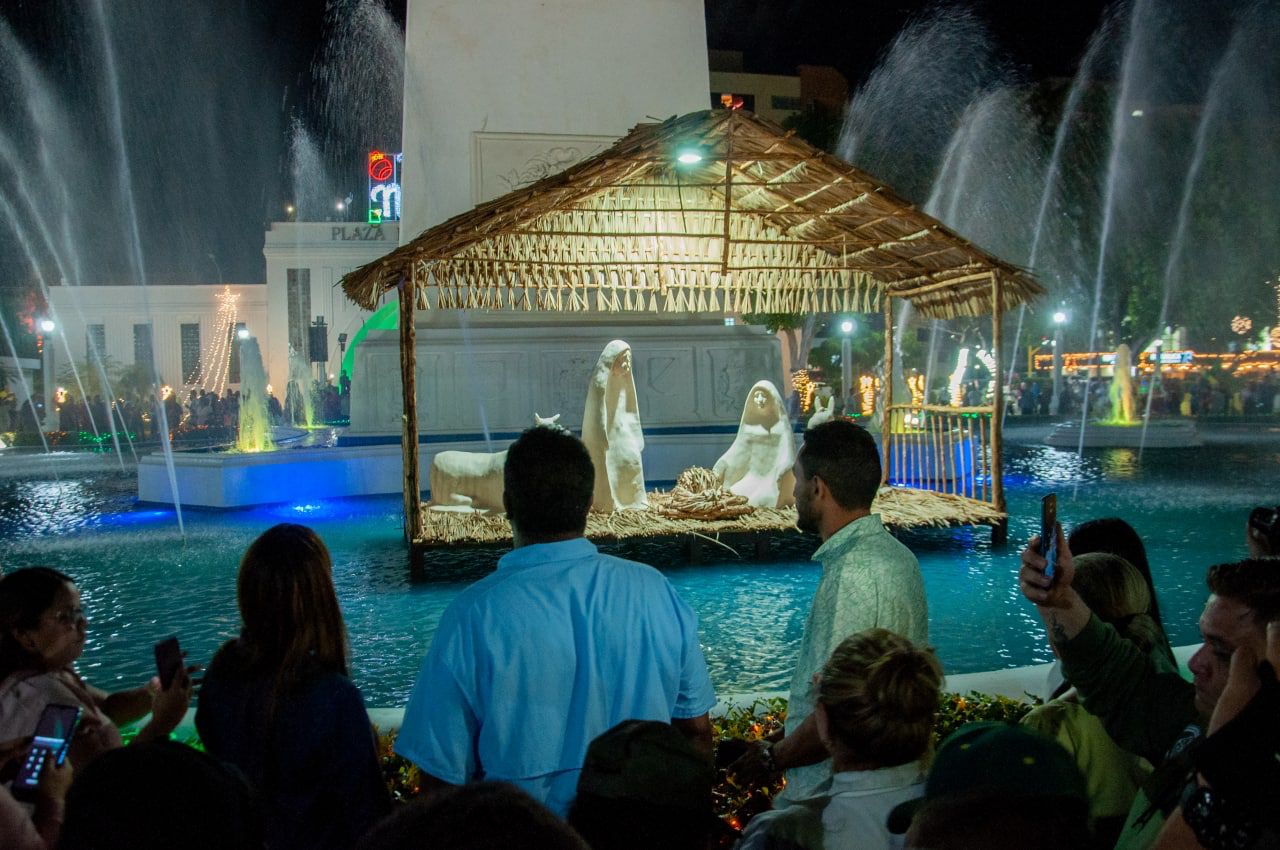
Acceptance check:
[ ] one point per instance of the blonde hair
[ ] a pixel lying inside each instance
(1115, 591)
(880, 693)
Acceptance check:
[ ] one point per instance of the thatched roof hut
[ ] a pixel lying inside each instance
(761, 222)
(715, 211)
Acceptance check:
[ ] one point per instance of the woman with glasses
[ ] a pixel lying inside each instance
(42, 633)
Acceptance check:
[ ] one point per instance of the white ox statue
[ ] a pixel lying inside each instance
(822, 412)
(472, 481)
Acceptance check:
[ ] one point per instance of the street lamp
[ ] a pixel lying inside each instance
(846, 362)
(1055, 403)
(242, 333)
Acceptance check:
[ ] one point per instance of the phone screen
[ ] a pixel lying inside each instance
(1049, 532)
(168, 660)
(53, 733)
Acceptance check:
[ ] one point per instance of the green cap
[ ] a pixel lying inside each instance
(995, 760)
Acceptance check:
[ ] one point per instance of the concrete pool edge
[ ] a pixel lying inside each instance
(1013, 682)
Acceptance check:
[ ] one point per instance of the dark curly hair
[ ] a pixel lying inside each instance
(1254, 582)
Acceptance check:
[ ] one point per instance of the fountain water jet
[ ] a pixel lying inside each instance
(1212, 103)
(254, 434)
(126, 185)
(1052, 172)
(300, 408)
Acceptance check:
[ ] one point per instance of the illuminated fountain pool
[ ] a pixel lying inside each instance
(141, 581)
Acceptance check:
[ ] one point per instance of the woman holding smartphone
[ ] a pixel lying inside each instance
(278, 703)
(42, 634)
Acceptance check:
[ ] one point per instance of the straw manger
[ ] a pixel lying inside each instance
(764, 222)
(898, 507)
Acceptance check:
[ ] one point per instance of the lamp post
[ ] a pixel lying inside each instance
(47, 378)
(846, 363)
(1055, 403)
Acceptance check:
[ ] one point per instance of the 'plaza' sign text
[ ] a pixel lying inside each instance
(357, 233)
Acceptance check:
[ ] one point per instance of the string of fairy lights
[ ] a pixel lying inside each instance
(215, 366)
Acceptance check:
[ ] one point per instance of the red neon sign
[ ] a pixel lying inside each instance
(381, 168)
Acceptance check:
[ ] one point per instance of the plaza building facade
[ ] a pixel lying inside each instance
(179, 327)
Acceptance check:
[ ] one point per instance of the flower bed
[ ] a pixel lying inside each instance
(737, 804)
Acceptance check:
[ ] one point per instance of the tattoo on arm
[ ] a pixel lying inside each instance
(1057, 632)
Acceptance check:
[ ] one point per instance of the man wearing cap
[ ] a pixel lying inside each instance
(1148, 710)
(869, 580)
(644, 785)
(558, 645)
(993, 785)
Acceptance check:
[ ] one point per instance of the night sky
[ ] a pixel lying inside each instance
(215, 95)
(1041, 39)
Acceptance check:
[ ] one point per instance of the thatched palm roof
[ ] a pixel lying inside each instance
(763, 222)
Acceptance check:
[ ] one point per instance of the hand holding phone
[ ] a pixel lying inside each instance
(1049, 533)
(52, 739)
(168, 660)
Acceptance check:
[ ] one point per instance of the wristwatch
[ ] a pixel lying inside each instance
(766, 756)
(1216, 824)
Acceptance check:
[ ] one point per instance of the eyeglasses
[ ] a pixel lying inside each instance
(69, 616)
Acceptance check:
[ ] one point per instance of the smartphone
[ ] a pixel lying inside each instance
(168, 660)
(53, 733)
(1049, 533)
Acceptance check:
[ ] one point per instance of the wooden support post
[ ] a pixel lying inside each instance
(409, 433)
(1000, 532)
(886, 390)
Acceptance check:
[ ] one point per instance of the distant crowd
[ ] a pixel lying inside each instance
(564, 699)
(206, 416)
(1206, 394)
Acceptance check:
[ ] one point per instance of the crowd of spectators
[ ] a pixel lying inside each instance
(205, 416)
(1202, 394)
(563, 702)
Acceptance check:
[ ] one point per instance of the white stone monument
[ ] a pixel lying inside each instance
(498, 94)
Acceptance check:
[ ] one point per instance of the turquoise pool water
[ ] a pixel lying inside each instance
(141, 581)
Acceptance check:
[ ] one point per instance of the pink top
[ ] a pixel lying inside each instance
(24, 694)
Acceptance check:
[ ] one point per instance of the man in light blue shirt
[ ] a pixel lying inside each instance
(557, 646)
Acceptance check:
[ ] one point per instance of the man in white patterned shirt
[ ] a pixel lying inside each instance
(869, 580)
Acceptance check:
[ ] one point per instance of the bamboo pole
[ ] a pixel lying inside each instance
(997, 425)
(886, 388)
(409, 434)
(982, 453)
(728, 206)
(938, 462)
(954, 487)
(917, 447)
(970, 468)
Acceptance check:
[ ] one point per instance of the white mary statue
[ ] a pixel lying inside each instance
(758, 464)
(611, 431)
